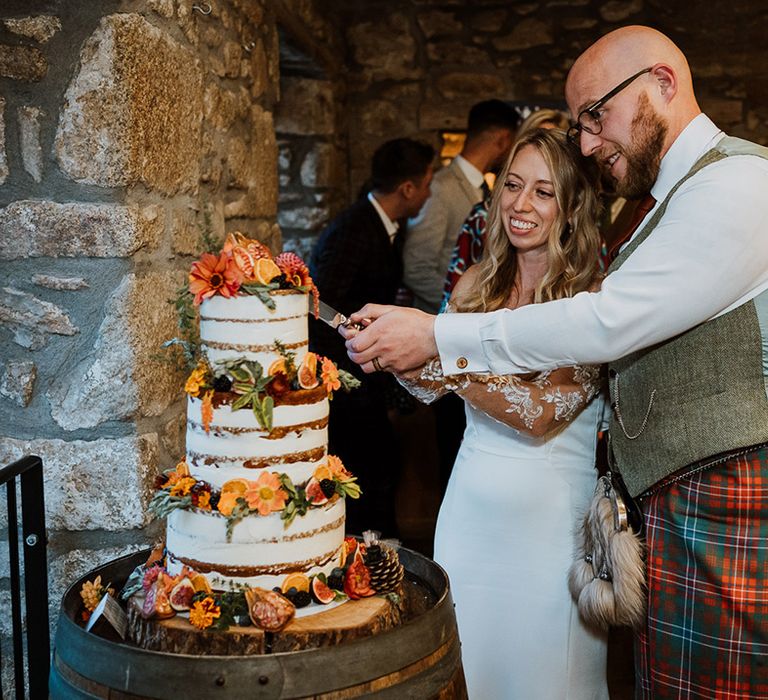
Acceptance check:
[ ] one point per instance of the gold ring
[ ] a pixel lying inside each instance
(376, 364)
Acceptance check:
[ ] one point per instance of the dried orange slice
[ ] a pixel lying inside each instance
(239, 486)
(298, 581)
(308, 372)
(265, 270)
(200, 583)
(277, 366)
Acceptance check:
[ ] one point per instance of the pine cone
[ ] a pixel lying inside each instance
(385, 567)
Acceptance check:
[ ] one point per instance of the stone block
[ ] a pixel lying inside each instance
(68, 284)
(32, 320)
(17, 381)
(385, 49)
(3, 158)
(305, 218)
(259, 69)
(133, 113)
(39, 228)
(436, 115)
(92, 485)
(41, 28)
(306, 107)
(124, 376)
(380, 118)
(164, 8)
(723, 111)
(22, 63)
(473, 86)
(435, 22)
(232, 52)
(239, 161)
(29, 139)
(320, 167)
(185, 234)
(526, 34)
(488, 20)
(456, 52)
(619, 10)
(573, 23)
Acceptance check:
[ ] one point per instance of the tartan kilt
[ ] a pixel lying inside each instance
(706, 632)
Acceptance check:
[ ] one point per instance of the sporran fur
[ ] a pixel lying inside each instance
(607, 580)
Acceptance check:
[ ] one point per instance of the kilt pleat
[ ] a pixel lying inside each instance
(706, 633)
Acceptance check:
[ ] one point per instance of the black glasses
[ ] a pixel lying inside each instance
(589, 118)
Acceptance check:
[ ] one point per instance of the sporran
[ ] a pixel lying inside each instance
(607, 580)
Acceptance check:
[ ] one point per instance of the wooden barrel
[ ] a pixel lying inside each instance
(419, 659)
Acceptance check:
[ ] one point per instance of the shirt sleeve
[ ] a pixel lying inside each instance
(708, 254)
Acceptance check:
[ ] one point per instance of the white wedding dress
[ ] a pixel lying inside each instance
(505, 535)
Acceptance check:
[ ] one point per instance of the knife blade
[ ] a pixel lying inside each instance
(335, 318)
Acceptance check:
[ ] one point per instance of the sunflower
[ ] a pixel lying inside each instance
(214, 275)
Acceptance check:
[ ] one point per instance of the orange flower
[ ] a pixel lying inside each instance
(196, 380)
(227, 502)
(203, 500)
(329, 374)
(204, 612)
(183, 486)
(266, 495)
(337, 468)
(214, 275)
(206, 410)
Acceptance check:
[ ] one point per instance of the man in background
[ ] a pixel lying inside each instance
(358, 258)
(431, 237)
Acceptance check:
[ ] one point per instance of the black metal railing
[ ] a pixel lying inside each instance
(29, 471)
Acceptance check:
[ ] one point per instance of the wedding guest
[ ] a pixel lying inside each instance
(358, 257)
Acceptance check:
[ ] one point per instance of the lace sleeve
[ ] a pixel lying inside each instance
(429, 384)
(536, 405)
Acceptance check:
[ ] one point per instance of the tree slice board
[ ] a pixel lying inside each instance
(352, 620)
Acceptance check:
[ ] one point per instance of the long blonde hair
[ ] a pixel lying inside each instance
(574, 241)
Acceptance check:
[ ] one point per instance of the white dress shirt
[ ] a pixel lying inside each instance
(707, 255)
(389, 225)
(473, 175)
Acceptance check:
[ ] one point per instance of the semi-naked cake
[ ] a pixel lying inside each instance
(257, 498)
(261, 549)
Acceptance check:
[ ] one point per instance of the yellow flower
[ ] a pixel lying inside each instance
(204, 612)
(330, 376)
(92, 592)
(196, 380)
(183, 486)
(227, 502)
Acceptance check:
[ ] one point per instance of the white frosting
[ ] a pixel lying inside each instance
(311, 543)
(219, 455)
(257, 540)
(243, 326)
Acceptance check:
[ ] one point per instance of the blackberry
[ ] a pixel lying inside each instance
(336, 579)
(215, 496)
(301, 599)
(222, 383)
(328, 487)
(281, 280)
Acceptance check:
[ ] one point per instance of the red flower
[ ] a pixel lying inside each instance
(214, 275)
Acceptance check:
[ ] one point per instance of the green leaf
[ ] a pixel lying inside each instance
(163, 504)
(348, 381)
(348, 489)
(267, 406)
(242, 401)
(240, 510)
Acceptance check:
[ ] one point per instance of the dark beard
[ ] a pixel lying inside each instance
(649, 132)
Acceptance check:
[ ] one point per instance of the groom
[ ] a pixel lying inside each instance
(682, 321)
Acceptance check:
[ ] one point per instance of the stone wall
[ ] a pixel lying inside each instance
(126, 129)
(416, 66)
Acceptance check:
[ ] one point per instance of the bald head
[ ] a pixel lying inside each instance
(622, 53)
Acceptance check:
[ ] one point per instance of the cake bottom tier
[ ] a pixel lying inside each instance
(262, 550)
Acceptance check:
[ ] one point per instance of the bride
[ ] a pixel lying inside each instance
(525, 471)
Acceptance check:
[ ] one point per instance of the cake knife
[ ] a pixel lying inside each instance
(335, 318)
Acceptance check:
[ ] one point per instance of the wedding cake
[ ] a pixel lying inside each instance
(257, 497)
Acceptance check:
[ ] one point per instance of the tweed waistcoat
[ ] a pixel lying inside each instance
(698, 394)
